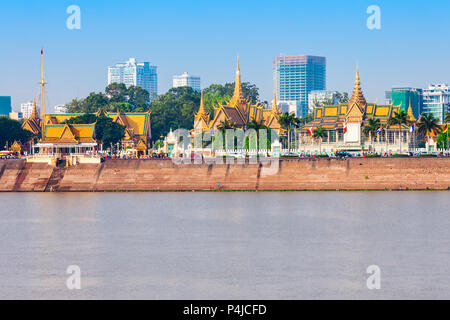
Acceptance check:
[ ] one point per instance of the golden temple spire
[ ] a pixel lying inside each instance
(410, 112)
(34, 112)
(274, 104)
(237, 85)
(358, 96)
(202, 110)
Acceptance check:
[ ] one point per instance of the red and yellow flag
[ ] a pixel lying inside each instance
(445, 129)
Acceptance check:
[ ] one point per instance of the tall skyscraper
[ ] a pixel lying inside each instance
(5, 105)
(436, 100)
(26, 109)
(132, 73)
(296, 76)
(404, 96)
(186, 80)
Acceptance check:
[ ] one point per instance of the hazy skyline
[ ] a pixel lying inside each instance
(204, 38)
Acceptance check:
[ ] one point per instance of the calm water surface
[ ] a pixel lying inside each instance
(225, 245)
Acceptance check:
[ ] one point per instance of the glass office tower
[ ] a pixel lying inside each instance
(5, 105)
(134, 73)
(404, 96)
(296, 76)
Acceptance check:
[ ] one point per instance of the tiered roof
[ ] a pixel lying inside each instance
(33, 123)
(238, 110)
(357, 109)
(69, 134)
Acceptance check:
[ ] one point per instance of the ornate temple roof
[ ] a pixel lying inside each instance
(138, 123)
(238, 110)
(357, 110)
(33, 123)
(202, 115)
(69, 133)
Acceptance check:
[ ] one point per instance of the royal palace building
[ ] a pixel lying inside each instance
(344, 127)
(238, 111)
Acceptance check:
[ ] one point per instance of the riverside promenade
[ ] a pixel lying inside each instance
(282, 175)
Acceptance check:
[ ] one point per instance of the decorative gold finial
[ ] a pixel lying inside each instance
(358, 96)
(34, 112)
(237, 95)
(275, 104)
(201, 110)
(410, 112)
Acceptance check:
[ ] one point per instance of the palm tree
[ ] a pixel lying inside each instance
(319, 133)
(428, 124)
(287, 121)
(223, 126)
(258, 126)
(447, 117)
(372, 128)
(255, 125)
(398, 119)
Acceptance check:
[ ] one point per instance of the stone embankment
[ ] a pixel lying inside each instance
(164, 175)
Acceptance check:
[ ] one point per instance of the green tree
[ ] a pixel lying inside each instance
(122, 106)
(257, 127)
(428, 124)
(138, 98)
(174, 109)
(217, 94)
(10, 131)
(371, 129)
(319, 134)
(117, 92)
(447, 117)
(95, 102)
(442, 141)
(399, 119)
(342, 97)
(75, 106)
(308, 118)
(288, 121)
(225, 124)
(116, 95)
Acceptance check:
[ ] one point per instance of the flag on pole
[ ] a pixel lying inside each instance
(42, 51)
(379, 130)
(412, 129)
(310, 130)
(445, 129)
(345, 129)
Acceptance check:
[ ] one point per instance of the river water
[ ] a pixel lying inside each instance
(312, 245)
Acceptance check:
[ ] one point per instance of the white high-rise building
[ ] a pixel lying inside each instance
(26, 109)
(320, 97)
(132, 73)
(60, 108)
(436, 100)
(186, 80)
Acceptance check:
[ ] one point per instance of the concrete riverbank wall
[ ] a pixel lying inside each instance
(164, 175)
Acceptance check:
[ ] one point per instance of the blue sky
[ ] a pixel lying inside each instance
(203, 38)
